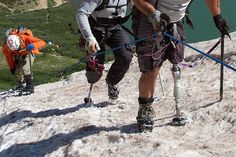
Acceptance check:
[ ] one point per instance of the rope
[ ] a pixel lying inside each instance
(147, 38)
(83, 60)
(201, 52)
(196, 63)
(130, 43)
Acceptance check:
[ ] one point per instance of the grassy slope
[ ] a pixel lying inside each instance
(54, 24)
(51, 25)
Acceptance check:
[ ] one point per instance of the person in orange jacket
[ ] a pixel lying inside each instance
(20, 50)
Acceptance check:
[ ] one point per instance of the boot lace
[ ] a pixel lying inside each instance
(113, 90)
(148, 111)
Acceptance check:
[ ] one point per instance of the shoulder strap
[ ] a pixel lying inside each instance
(156, 4)
(103, 5)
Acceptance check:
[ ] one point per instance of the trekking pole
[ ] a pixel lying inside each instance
(31, 71)
(88, 99)
(222, 68)
(201, 52)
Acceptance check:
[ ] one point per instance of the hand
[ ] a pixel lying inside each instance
(13, 71)
(164, 21)
(30, 47)
(159, 20)
(221, 24)
(92, 45)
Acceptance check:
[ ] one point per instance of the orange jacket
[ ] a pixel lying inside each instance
(25, 40)
(22, 32)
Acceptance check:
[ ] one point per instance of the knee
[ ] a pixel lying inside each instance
(27, 71)
(151, 74)
(148, 77)
(126, 59)
(125, 56)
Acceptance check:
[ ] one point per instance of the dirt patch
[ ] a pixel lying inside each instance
(43, 4)
(25, 6)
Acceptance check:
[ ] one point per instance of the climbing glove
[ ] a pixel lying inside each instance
(221, 24)
(159, 20)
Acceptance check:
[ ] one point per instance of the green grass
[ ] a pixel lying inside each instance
(51, 25)
(54, 24)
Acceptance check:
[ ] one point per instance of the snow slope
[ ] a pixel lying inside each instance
(55, 122)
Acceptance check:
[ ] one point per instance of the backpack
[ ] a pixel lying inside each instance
(19, 30)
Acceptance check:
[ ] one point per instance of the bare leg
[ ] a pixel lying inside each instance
(147, 83)
(146, 114)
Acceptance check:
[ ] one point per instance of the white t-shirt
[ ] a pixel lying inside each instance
(175, 9)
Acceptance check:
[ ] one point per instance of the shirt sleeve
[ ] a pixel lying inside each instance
(38, 43)
(9, 56)
(86, 7)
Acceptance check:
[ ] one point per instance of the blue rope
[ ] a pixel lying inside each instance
(83, 60)
(203, 53)
(174, 38)
(130, 43)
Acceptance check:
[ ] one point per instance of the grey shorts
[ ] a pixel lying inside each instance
(150, 55)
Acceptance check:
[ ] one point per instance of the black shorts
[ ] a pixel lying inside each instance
(151, 56)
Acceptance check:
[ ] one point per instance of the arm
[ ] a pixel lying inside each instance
(85, 10)
(9, 56)
(33, 42)
(144, 6)
(220, 22)
(159, 20)
(83, 23)
(213, 6)
(38, 43)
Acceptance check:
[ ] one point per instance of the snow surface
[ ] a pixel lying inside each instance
(55, 122)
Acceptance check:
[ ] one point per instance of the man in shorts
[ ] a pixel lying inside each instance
(151, 17)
